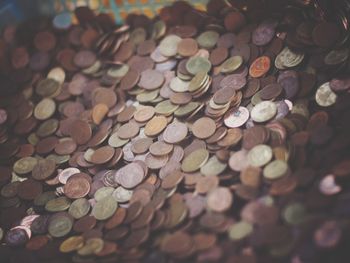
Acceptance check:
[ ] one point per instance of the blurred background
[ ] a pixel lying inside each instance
(14, 11)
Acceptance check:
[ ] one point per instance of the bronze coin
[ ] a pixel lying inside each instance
(218, 55)
(102, 155)
(80, 131)
(203, 128)
(76, 187)
(29, 189)
(129, 80)
(84, 58)
(187, 47)
(44, 169)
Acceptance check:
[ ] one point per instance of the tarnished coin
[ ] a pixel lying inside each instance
(169, 45)
(45, 109)
(43, 169)
(195, 160)
(25, 165)
(104, 208)
(264, 111)
(325, 97)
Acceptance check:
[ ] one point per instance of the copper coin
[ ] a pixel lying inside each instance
(160, 148)
(187, 47)
(84, 58)
(218, 55)
(102, 155)
(76, 187)
(43, 169)
(129, 80)
(203, 128)
(224, 95)
(80, 131)
(259, 67)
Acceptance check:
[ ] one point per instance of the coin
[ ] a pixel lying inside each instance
(263, 111)
(130, 175)
(219, 199)
(195, 160)
(127, 142)
(104, 208)
(43, 169)
(155, 126)
(203, 128)
(151, 79)
(71, 244)
(187, 47)
(259, 155)
(325, 97)
(76, 187)
(259, 67)
(236, 117)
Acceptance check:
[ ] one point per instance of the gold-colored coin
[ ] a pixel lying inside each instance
(25, 165)
(45, 109)
(91, 246)
(155, 126)
(231, 64)
(198, 81)
(195, 160)
(71, 244)
(166, 108)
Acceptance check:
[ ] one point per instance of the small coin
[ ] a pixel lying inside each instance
(240, 230)
(325, 97)
(151, 79)
(102, 155)
(231, 64)
(236, 117)
(60, 225)
(122, 195)
(260, 67)
(144, 113)
(195, 160)
(104, 208)
(264, 111)
(76, 187)
(203, 128)
(155, 126)
(160, 148)
(175, 132)
(275, 169)
(45, 109)
(130, 175)
(71, 244)
(219, 199)
(25, 165)
(260, 155)
(43, 169)
(187, 47)
(169, 45)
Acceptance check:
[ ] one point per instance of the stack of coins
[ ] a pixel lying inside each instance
(217, 136)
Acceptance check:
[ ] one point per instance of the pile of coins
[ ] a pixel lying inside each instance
(218, 136)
